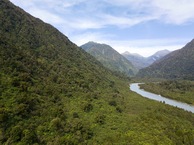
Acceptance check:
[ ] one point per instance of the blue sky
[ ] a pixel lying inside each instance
(136, 26)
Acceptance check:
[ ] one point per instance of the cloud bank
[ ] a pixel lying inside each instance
(86, 20)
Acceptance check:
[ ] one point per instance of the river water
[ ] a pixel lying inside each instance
(135, 88)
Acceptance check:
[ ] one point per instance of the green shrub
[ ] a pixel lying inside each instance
(113, 103)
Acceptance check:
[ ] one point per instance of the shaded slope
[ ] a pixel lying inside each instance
(178, 64)
(110, 58)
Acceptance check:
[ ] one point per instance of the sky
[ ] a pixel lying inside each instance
(136, 26)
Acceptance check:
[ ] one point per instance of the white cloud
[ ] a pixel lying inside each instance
(95, 15)
(144, 47)
(142, 50)
(174, 11)
(76, 19)
(46, 16)
(85, 23)
(148, 51)
(168, 11)
(83, 38)
(139, 3)
(124, 21)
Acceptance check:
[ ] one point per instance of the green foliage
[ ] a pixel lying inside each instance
(55, 124)
(88, 107)
(53, 93)
(110, 58)
(178, 90)
(119, 109)
(113, 103)
(100, 119)
(177, 65)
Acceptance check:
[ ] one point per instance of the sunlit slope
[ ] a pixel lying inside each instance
(52, 92)
(110, 58)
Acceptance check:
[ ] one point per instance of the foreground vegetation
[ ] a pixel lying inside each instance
(53, 93)
(178, 90)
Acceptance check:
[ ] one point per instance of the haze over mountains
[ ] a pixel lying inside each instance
(110, 58)
(126, 62)
(141, 62)
(178, 64)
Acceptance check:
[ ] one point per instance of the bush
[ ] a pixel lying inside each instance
(75, 115)
(119, 109)
(55, 124)
(88, 107)
(29, 137)
(16, 133)
(100, 119)
(113, 103)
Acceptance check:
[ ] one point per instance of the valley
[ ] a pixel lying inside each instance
(53, 92)
(141, 62)
(110, 58)
(178, 64)
(178, 90)
(137, 87)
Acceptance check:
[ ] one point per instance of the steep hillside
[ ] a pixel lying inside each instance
(110, 58)
(48, 86)
(177, 65)
(141, 62)
(54, 93)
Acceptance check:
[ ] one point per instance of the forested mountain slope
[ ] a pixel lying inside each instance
(178, 64)
(53, 93)
(110, 58)
(43, 78)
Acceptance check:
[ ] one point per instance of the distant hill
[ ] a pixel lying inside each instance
(157, 56)
(141, 62)
(137, 60)
(178, 64)
(110, 58)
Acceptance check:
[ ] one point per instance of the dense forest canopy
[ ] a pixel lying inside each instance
(52, 92)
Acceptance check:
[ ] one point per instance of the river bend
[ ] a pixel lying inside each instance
(135, 88)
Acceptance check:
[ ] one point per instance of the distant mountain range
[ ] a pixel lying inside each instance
(178, 64)
(110, 58)
(141, 62)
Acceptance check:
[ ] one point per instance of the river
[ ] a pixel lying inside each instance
(135, 88)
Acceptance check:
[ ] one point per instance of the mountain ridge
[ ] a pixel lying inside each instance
(109, 57)
(178, 64)
(141, 62)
